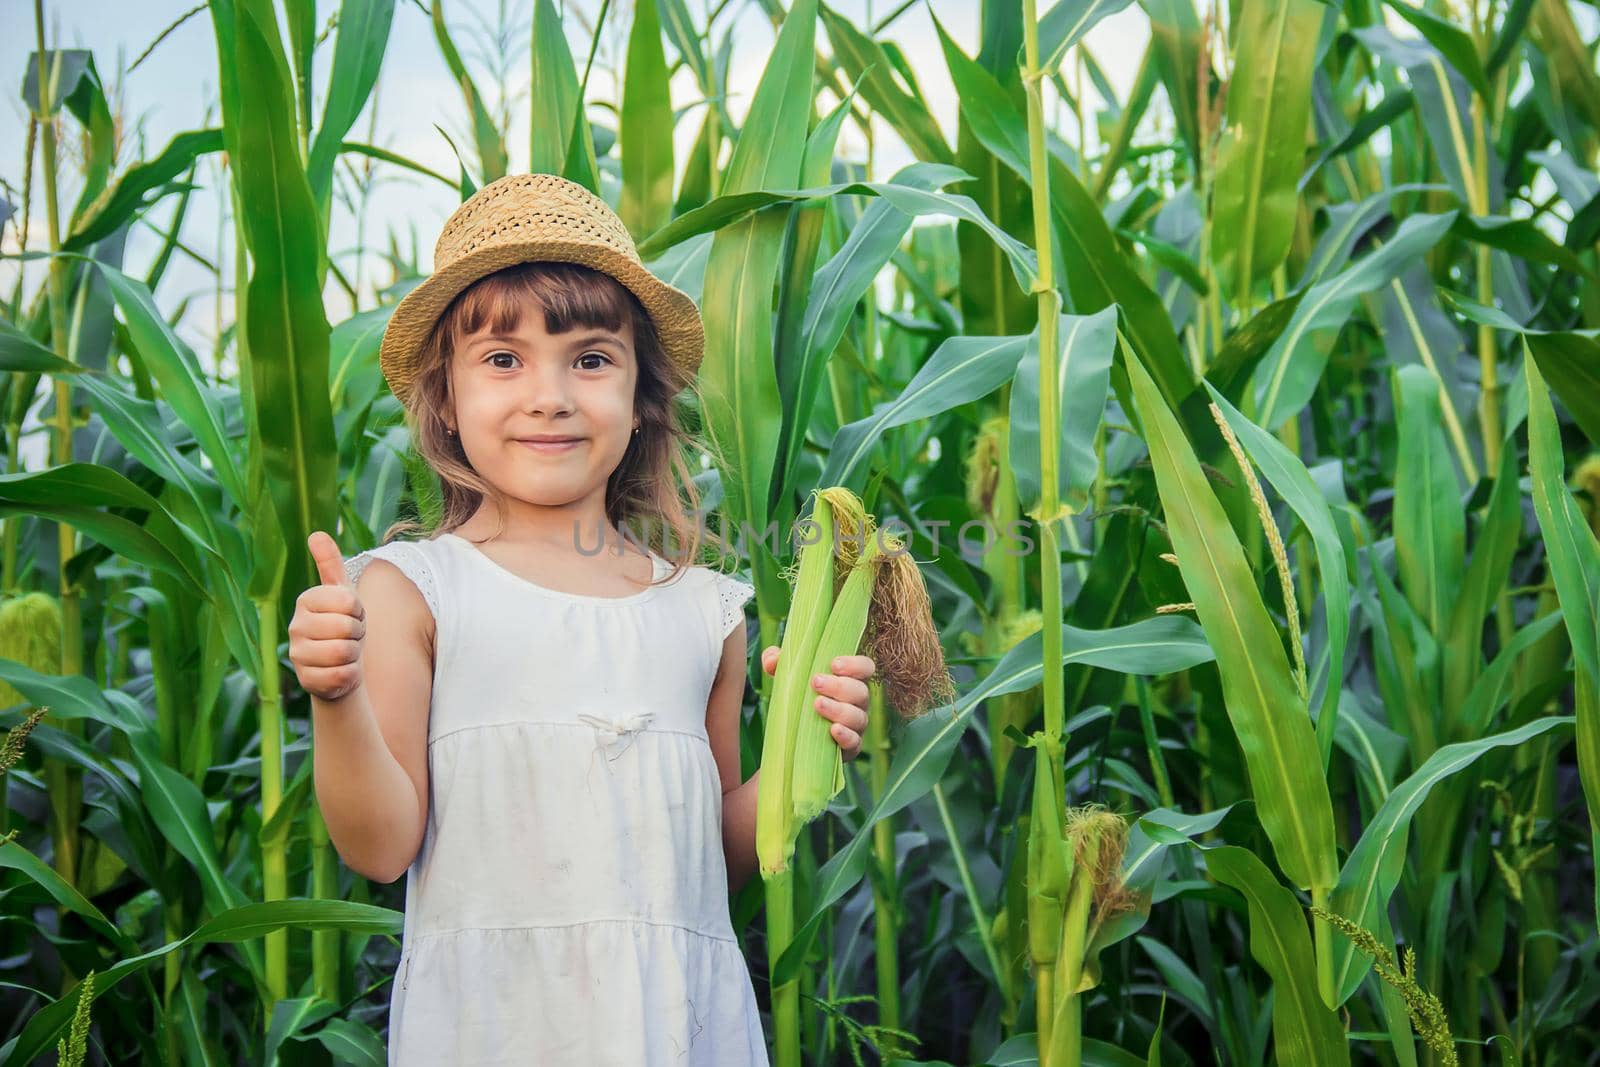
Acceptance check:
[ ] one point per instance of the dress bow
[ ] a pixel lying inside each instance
(612, 731)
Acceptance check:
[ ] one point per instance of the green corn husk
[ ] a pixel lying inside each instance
(1049, 857)
(802, 767)
(812, 602)
(1095, 840)
(1049, 872)
(818, 773)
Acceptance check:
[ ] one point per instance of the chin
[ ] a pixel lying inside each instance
(545, 495)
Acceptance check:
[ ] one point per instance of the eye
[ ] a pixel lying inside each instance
(497, 355)
(594, 355)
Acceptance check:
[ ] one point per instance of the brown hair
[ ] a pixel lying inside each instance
(644, 487)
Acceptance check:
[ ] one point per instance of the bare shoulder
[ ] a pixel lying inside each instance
(394, 604)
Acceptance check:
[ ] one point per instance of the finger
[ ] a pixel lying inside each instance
(848, 740)
(846, 715)
(848, 690)
(333, 626)
(329, 653)
(769, 659)
(329, 679)
(858, 667)
(339, 600)
(330, 564)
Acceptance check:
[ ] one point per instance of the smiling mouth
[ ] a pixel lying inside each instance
(551, 446)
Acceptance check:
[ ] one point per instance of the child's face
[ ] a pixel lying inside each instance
(514, 387)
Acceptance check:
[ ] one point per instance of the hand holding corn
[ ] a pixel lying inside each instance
(843, 698)
(855, 588)
(329, 624)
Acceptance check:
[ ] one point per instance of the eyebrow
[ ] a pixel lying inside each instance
(582, 339)
(596, 335)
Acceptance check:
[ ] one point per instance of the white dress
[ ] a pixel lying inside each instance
(569, 903)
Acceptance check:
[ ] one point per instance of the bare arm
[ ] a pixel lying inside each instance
(370, 744)
(739, 831)
(722, 727)
(841, 698)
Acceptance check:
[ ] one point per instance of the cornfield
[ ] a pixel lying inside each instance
(1274, 621)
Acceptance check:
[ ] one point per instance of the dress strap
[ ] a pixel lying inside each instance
(411, 560)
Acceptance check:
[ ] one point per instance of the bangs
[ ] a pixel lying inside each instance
(571, 295)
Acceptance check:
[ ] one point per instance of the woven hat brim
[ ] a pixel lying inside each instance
(676, 318)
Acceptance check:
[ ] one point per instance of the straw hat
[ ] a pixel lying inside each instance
(528, 217)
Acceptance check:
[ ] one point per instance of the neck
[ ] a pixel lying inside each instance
(578, 528)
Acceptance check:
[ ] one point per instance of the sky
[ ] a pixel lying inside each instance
(175, 89)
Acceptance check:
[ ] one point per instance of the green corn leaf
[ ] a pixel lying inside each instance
(1495, 685)
(19, 352)
(1574, 563)
(867, 64)
(1569, 361)
(1304, 1029)
(1083, 381)
(176, 370)
(1289, 477)
(14, 857)
(1064, 25)
(831, 296)
(680, 29)
(1289, 373)
(1175, 31)
(127, 198)
(908, 198)
(241, 924)
(960, 370)
(1373, 868)
(357, 56)
(1443, 100)
(1492, 554)
(644, 131)
(1094, 268)
(289, 1018)
(743, 408)
(1452, 42)
(1263, 144)
(285, 325)
(76, 493)
(1429, 523)
(1269, 716)
(486, 137)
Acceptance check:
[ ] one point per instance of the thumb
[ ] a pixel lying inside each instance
(330, 564)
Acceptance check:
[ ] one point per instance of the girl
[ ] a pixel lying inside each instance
(542, 732)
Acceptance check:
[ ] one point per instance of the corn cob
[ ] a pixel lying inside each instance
(801, 767)
(818, 773)
(809, 607)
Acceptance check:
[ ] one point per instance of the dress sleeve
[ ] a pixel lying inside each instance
(411, 561)
(731, 595)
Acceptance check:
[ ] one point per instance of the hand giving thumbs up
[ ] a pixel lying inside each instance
(328, 626)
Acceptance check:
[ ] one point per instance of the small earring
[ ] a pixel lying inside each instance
(452, 433)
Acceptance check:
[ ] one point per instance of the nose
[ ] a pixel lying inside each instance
(548, 390)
